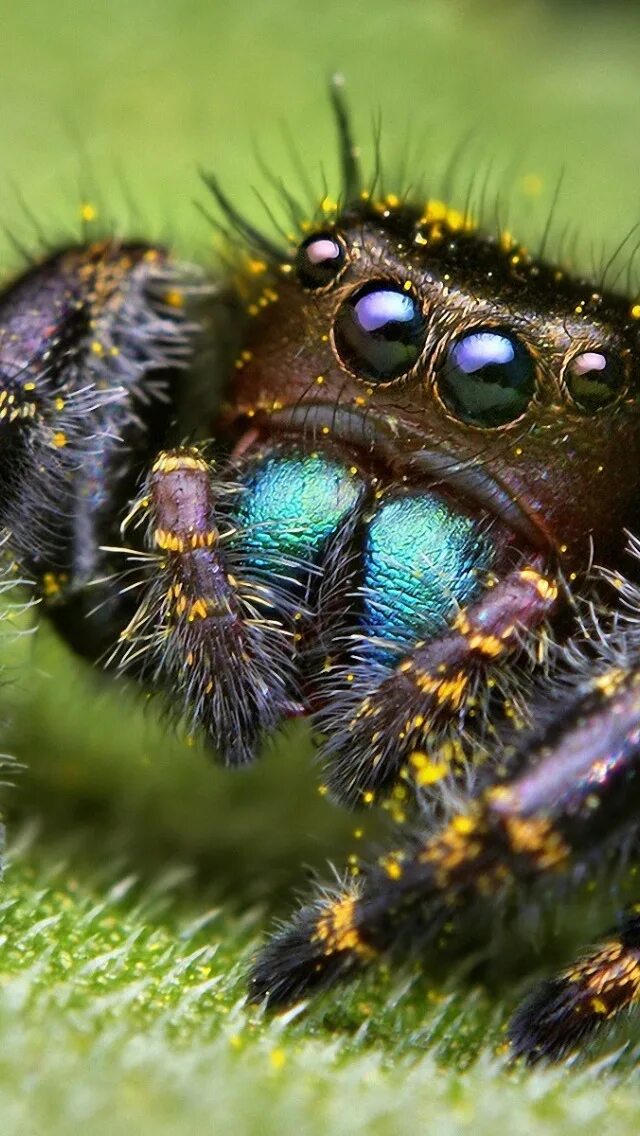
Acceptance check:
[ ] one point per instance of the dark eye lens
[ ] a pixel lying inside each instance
(319, 260)
(379, 331)
(488, 378)
(594, 379)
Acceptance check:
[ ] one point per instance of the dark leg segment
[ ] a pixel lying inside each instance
(399, 725)
(90, 344)
(219, 643)
(566, 1010)
(574, 789)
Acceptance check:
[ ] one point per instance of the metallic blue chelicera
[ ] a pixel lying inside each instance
(294, 502)
(423, 561)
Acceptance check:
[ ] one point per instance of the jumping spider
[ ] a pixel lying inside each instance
(426, 437)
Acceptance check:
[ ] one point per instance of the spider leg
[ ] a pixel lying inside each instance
(564, 1011)
(92, 340)
(372, 737)
(222, 646)
(568, 793)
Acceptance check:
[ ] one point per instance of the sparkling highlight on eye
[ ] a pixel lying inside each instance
(379, 331)
(488, 378)
(377, 309)
(594, 379)
(319, 260)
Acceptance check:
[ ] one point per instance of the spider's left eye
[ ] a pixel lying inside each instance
(594, 379)
(319, 260)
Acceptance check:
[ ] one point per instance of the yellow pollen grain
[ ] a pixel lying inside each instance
(88, 212)
(635, 311)
(51, 584)
(328, 205)
(60, 439)
(426, 771)
(174, 298)
(391, 867)
(464, 825)
(610, 682)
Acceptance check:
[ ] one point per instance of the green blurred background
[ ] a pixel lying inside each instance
(119, 104)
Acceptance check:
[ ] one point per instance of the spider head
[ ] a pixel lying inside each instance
(445, 354)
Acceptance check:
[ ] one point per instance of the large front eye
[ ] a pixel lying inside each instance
(379, 331)
(319, 260)
(488, 377)
(594, 379)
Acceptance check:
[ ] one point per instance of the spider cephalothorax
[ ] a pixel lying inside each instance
(426, 436)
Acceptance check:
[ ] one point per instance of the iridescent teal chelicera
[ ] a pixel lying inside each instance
(423, 561)
(293, 503)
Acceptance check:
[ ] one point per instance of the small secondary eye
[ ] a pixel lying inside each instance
(319, 260)
(488, 377)
(379, 331)
(594, 379)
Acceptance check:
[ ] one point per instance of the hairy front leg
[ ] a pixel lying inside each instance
(571, 792)
(405, 723)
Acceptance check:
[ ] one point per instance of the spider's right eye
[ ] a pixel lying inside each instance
(488, 378)
(319, 260)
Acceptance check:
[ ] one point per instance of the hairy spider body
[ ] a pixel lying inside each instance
(425, 437)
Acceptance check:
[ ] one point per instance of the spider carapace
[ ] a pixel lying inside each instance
(425, 439)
